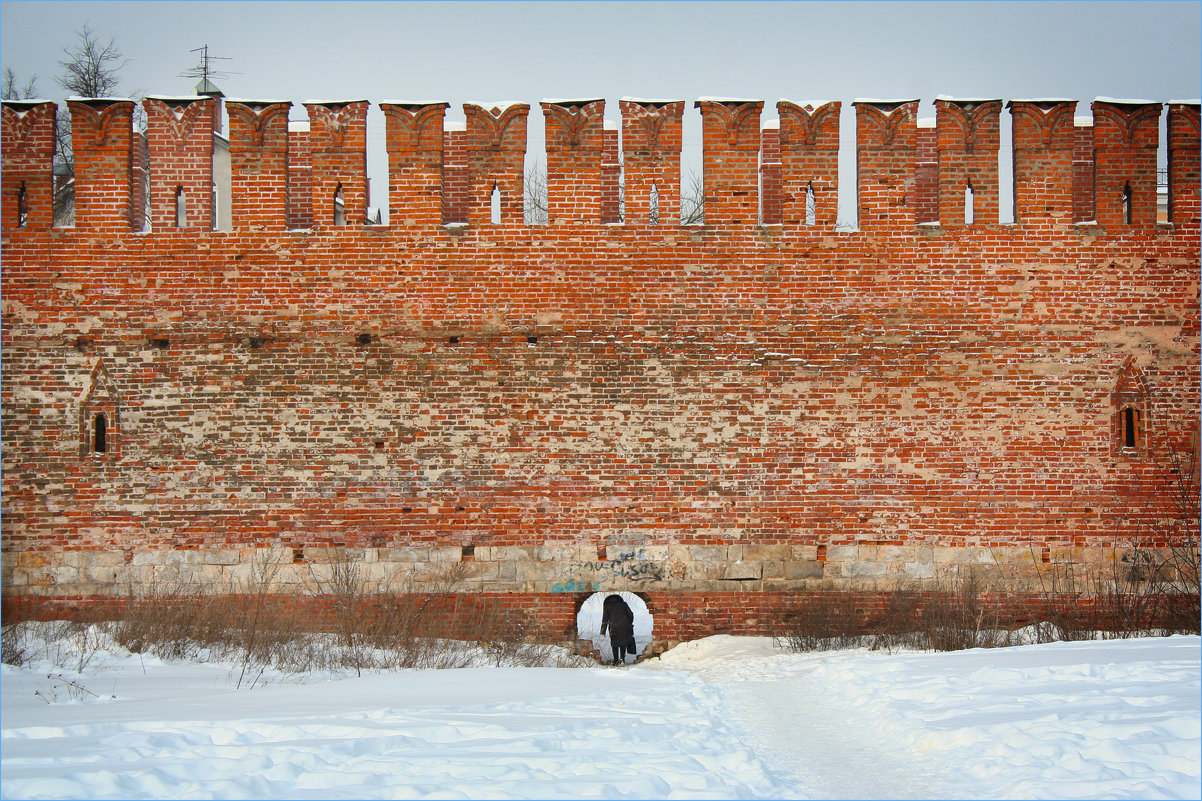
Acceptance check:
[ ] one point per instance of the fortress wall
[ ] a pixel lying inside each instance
(729, 411)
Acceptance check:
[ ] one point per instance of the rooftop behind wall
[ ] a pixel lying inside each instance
(754, 176)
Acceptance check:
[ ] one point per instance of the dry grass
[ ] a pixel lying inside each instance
(247, 624)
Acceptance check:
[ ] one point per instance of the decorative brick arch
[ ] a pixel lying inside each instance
(100, 416)
(1130, 413)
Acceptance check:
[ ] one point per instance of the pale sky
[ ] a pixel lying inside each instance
(470, 51)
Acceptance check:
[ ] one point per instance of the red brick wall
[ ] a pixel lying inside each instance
(651, 140)
(730, 160)
(300, 181)
(777, 409)
(259, 161)
(770, 199)
(180, 141)
(968, 136)
(809, 143)
(102, 138)
(1046, 161)
(495, 142)
(575, 143)
(886, 150)
(1083, 174)
(27, 148)
(416, 149)
(926, 177)
(338, 159)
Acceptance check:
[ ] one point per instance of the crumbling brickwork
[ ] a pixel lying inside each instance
(722, 417)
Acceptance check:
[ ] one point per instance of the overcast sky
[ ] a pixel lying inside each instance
(467, 51)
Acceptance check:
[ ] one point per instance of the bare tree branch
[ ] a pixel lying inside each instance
(90, 69)
(692, 200)
(535, 209)
(91, 66)
(13, 90)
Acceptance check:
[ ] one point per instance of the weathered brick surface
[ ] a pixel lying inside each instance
(651, 140)
(725, 418)
(28, 147)
(180, 137)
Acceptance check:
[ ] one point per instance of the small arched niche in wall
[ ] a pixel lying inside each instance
(588, 624)
(99, 417)
(1130, 412)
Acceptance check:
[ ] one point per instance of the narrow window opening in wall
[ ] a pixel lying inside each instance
(99, 434)
(22, 207)
(339, 207)
(494, 205)
(215, 204)
(1130, 427)
(969, 204)
(653, 204)
(1126, 204)
(811, 205)
(181, 208)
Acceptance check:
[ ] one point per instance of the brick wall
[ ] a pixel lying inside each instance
(725, 418)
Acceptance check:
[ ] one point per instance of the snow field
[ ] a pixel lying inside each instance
(543, 733)
(723, 717)
(1113, 719)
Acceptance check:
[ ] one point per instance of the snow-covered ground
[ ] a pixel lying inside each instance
(723, 717)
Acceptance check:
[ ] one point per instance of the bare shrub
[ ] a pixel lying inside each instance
(1150, 585)
(13, 644)
(61, 689)
(172, 623)
(340, 580)
(837, 620)
(422, 623)
(957, 614)
(827, 622)
(1178, 569)
(960, 615)
(70, 645)
(232, 621)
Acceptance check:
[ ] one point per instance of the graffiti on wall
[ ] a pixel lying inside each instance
(634, 566)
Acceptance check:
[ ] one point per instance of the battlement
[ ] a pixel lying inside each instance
(222, 365)
(779, 174)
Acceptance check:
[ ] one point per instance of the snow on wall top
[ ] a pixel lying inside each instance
(950, 99)
(500, 105)
(1124, 102)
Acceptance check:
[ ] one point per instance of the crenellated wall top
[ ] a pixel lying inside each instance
(444, 173)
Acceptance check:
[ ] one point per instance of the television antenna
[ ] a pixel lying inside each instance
(206, 69)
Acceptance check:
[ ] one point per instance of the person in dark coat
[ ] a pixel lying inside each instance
(617, 617)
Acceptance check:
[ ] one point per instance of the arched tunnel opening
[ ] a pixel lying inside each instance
(588, 624)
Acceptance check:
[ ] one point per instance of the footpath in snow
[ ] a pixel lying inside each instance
(724, 717)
